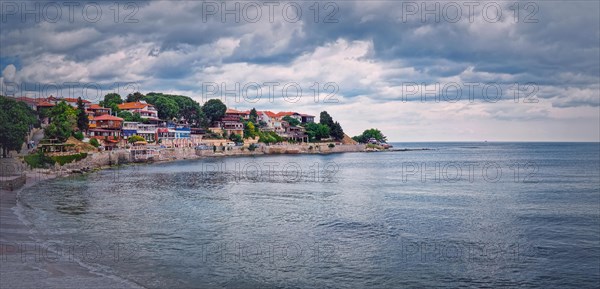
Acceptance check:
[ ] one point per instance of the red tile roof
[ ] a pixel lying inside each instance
(284, 113)
(69, 99)
(45, 104)
(133, 105)
(108, 117)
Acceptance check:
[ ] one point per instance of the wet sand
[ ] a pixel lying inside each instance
(25, 262)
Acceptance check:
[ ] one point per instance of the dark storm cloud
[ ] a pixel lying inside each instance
(370, 48)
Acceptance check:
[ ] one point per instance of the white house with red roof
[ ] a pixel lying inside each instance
(146, 110)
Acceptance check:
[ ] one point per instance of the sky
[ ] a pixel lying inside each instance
(416, 70)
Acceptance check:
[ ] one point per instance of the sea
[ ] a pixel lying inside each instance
(422, 215)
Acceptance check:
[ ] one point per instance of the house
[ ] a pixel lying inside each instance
(130, 128)
(230, 124)
(295, 133)
(301, 117)
(147, 131)
(174, 132)
(107, 128)
(146, 110)
(96, 110)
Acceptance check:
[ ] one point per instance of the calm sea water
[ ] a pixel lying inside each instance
(461, 214)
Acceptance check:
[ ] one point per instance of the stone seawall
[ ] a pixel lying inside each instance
(98, 160)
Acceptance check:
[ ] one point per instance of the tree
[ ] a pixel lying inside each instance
(82, 118)
(135, 97)
(317, 131)
(334, 127)
(167, 107)
(249, 130)
(292, 121)
(187, 109)
(326, 119)
(112, 100)
(368, 134)
(63, 122)
(214, 109)
(254, 115)
(236, 138)
(16, 119)
(128, 116)
(337, 132)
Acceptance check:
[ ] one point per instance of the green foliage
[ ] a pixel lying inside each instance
(78, 135)
(252, 147)
(82, 118)
(64, 121)
(16, 118)
(326, 119)
(135, 138)
(135, 97)
(253, 115)
(317, 131)
(292, 121)
(250, 130)
(370, 133)
(336, 131)
(94, 142)
(236, 138)
(214, 110)
(39, 160)
(269, 137)
(331, 145)
(128, 116)
(112, 100)
(167, 107)
(62, 160)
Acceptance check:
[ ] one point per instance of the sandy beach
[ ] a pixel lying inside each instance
(26, 262)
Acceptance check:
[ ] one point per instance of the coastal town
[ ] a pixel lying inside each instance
(157, 127)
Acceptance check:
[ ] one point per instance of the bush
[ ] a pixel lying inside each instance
(62, 160)
(94, 142)
(78, 135)
(310, 147)
(252, 147)
(135, 138)
(39, 160)
(331, 145)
